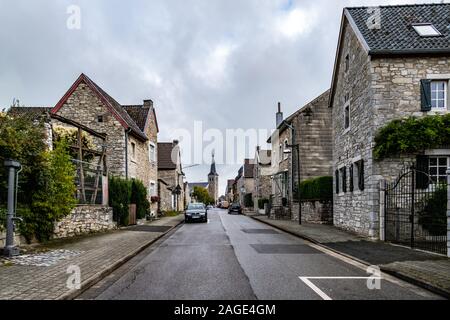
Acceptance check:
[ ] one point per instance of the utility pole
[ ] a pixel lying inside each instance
(10, 249)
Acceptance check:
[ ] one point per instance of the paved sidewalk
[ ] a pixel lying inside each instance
(44, 276)
(424, 269)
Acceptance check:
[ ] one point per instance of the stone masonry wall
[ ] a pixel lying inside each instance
(356, 211)
(83, 220)
(320, 212)
(166, 195)
(151, 167)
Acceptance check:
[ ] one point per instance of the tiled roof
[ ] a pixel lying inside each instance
(139, 114)
(29, 112)
(165, 156)
(397, 35)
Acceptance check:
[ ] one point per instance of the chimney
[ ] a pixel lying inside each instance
(148, 103)
(247, 161)
(279, 116)
(175, 142)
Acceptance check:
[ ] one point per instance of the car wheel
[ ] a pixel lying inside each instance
(186, 220)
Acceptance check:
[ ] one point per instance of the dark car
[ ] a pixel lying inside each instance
(235, 208)
(196, 212)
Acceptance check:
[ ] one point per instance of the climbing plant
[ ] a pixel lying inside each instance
(412, 135)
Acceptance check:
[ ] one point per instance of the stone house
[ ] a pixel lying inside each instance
(170, 171)
(262, 176)
(131, 130)
(311, 128)
(229, 196)
(391, 62)
(245, 182)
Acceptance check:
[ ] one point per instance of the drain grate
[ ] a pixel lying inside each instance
(149, 228)
(284, 249)
(260, 231)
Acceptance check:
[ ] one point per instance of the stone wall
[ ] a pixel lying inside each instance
(166, 195)
(320, 211)
(380, 89)
(83, 220)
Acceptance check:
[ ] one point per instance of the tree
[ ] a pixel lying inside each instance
(202, 195)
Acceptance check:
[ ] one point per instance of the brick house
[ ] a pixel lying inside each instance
(170, 171)
(391, 62)
(262, 176)
(131, 130)
(311, 125)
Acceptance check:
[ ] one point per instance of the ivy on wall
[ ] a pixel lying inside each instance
(412, 135)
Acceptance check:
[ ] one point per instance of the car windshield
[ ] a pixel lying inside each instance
(196, 207)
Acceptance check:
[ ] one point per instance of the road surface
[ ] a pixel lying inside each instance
(236, 257)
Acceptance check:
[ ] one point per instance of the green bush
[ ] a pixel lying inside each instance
(248, 200)
(202, 195)
(139, 197)
(433, 218)
(120, 199)
(316, 189)
(262, 202)
(412, 135)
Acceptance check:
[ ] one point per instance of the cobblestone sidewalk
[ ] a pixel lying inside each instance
(45, 275)
(424, 269)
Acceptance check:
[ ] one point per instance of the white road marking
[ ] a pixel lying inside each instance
(322, 294)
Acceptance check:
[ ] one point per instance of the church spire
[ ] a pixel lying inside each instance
(213, 171)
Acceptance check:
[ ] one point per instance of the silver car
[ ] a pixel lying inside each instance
(196, 212)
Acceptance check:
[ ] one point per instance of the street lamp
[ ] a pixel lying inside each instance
(288, 151)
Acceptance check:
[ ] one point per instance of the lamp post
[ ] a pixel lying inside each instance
(297, 148)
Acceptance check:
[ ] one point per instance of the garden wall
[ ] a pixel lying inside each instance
(315, 211)
(85, 219)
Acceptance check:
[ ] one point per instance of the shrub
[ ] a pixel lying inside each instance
(202, 195)
(248, 200)
(139, 197)
(433, 218)
(316, 189)
(120, 199)
(412, 135)
(262, 202)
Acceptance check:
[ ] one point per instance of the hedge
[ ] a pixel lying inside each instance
(120, 199)
(412, 135)
(139, 197)
(316, 189)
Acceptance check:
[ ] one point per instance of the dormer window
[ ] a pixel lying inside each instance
(426, 30)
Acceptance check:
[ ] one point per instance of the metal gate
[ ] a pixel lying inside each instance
(416, 211)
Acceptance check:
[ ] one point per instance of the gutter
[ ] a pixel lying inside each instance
(127, 131)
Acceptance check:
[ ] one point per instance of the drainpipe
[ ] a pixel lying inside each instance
(127, 131)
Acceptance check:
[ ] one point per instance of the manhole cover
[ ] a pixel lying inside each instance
(260, 231)
(149, 228)
(284, 249)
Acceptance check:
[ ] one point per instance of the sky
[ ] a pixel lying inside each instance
(216, 64)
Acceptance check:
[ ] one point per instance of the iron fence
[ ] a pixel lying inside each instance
(415, 211)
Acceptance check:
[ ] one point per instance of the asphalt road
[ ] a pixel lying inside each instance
(236, 257)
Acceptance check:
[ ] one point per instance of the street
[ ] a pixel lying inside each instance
(236, 257)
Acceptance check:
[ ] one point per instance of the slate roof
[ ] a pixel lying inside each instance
(29, 112)
(397, 36)
(139, 114)
(165, 156)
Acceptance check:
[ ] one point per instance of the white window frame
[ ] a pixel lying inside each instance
(150, 146)
(285, 147)
(152, 187)
(445, 107)
(133, 151)
(417, 28)
(437, 166)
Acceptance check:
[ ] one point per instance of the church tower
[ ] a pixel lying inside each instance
(213, 181)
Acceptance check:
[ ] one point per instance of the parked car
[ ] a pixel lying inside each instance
(196, 212)
(209, 207)
(235, 208)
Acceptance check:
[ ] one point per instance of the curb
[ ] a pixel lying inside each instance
(391, 272)
(99, 276)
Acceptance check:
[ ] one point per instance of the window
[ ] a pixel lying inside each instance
(152, 189)
(347, 62)
(347, 112)
(352, 178)
(358, 175)
(152, 152)
(133, 150)
(426, 30)
(280, 157)
(100, 118)
(438, 169)
(286, 144)
(439, 95)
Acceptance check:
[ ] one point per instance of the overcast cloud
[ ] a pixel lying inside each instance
(224, 62)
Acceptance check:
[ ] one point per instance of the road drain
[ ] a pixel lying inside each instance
(284, 249)
(260, 231)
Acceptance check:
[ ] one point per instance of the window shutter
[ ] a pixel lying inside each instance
(344, 179)
(361, 175)
(422, 173)
(351, 178)
(425, 94)
(337, 181)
